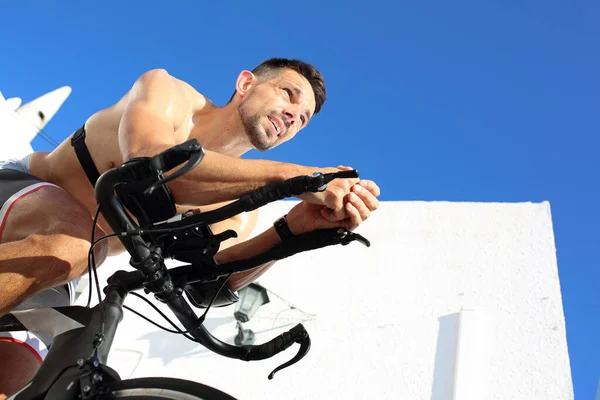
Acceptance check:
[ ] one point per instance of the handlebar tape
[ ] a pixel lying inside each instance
(276, 345)
(292, 245)
(275, 191)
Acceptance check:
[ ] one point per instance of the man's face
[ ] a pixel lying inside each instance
(274, 110)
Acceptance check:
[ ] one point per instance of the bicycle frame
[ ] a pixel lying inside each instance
(76, 361)
(72, 360)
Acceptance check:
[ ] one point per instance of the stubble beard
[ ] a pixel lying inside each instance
(255, 132)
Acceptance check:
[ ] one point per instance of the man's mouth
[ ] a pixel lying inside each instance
(276, 125)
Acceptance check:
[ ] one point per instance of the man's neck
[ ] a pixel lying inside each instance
(219, 129)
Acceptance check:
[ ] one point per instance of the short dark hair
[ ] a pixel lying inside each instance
(271, 67)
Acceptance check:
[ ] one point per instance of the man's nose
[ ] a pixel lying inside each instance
(290, 117)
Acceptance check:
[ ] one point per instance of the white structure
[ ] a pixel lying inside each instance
(20, 124)
(453, 301)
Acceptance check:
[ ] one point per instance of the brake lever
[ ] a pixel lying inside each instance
(190, 151)
(347, 237)
(300, 336)
(318, 181)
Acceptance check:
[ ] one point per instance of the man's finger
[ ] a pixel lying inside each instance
(325, 224)
(333, 215)
(359, 205)
(370, 186)
(353, 216)
(366, 196)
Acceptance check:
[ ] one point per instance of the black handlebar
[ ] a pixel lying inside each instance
(147, 255)
(246, 353)
(116, 216)
(295, 335)
(291, 187)
(258, 198)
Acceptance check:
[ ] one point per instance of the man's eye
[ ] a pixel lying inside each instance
(289, 92)
(303, 119)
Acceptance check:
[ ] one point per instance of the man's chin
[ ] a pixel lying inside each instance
(263, 147)
(260, 145)
(260, 141)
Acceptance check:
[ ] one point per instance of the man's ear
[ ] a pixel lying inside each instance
(245, 81)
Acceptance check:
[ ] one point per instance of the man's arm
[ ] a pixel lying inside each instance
(156, 109)
(240, 247)
(250, 248)
(304, 217)
(222, 178)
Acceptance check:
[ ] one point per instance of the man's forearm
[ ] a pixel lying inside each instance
(243, 279)
(221, 178)
(247, 249)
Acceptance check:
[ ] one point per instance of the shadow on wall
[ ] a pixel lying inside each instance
(445, 356)
(173, 346)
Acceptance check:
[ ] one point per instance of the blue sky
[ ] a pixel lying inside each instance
(458, 101)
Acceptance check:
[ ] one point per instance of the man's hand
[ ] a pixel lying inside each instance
(357, 207)
(334, 197)
(338, 193)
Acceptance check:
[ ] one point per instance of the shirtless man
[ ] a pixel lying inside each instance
(45, 239)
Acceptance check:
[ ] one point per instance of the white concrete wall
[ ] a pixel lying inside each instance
(384, 320)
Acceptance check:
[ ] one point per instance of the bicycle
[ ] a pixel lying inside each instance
(75, 366)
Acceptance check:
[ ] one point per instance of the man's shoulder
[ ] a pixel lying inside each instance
(163, 78)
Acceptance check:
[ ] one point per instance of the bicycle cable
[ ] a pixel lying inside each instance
(92, 266)
(199, 321)
(99, 336)
(93, 258)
